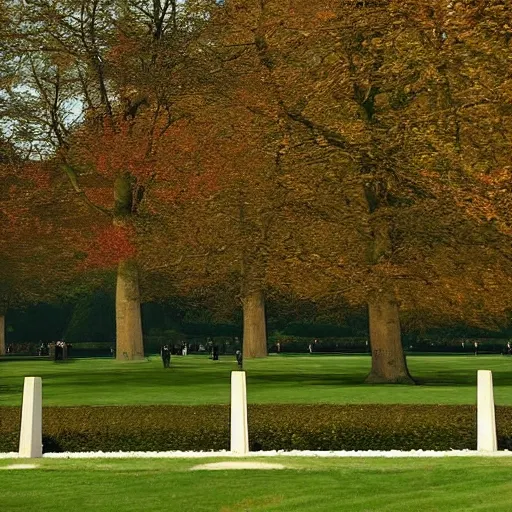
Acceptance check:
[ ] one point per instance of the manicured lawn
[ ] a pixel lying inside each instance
(405, 485)
(277, 379)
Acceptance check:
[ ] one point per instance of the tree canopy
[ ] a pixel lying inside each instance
(352, 153)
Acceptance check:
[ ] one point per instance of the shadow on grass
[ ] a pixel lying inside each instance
(329, 379)
(10, 389)
(439, 378)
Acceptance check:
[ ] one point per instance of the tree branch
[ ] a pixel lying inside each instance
(73, 180)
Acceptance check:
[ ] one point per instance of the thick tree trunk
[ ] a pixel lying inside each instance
(255, 327)
(129, 342)
(388, 359)
(2, 334)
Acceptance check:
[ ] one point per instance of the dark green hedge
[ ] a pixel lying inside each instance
(271, 427)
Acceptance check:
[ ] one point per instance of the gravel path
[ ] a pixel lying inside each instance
(293, 453)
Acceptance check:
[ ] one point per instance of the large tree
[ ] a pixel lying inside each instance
(358, 85)
(227, 150)
(102, 85)
(216, 231)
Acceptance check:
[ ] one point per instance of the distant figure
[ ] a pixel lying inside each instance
(310, 348)
(215, 353)
(184, 349)
(476, 348)
(463, 345)
(239, 359)
(165, 352)
(509, 348)
(59, 350)
(112, 351)
(278, 347)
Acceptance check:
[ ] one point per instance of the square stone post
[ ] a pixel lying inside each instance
(31, 432)
(239, 428)
(486, 422)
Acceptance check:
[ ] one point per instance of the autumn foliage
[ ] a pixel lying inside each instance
(344, 152)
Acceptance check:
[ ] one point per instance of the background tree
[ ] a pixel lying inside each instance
(222, 222)
(38, 259)
(94, 69)
(358, 87)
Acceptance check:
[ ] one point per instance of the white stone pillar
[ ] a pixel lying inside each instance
(31, 432)
(239, 428)
(486, 422)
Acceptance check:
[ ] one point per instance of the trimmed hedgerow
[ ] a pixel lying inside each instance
(10, 419)
(353, 427)
(144, 428)
(271, 427)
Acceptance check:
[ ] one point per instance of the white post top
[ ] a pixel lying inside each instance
(239, 427)
(31, 432)
(486, 421)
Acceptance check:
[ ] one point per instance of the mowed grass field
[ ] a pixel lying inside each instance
(312, 485)
(277, 379)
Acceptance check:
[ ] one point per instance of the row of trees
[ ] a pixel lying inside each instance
(354, 152)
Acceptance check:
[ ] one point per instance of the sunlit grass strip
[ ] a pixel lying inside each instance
(196, 380)
(308, 484)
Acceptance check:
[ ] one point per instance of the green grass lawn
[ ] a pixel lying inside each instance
(278, 379)
(312, 485)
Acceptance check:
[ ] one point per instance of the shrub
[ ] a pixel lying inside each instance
(271, 427)
(146, 428)
(362, 427)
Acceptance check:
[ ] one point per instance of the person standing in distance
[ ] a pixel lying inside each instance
(165, 352)
(239, 359)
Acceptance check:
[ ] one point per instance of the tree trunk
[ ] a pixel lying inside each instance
(2, 334)
(129, 342)
(255, 327)
(388, 359)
